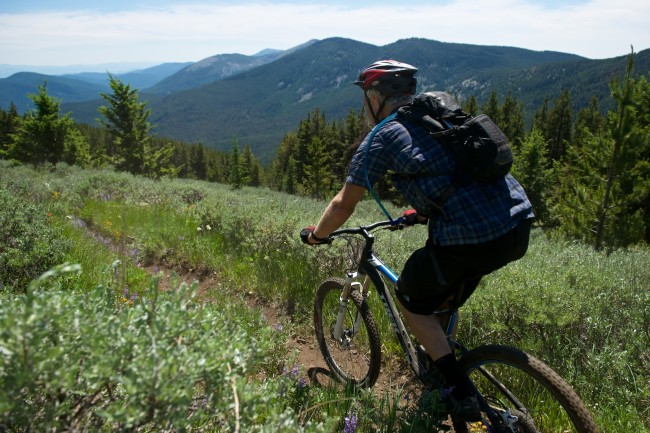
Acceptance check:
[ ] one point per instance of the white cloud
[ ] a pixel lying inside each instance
(595, 29)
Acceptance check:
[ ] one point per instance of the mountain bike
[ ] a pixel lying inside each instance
(517, 393)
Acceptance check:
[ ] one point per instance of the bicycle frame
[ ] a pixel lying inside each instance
(372, 267)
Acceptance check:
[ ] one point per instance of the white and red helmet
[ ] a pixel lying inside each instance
(389, 77)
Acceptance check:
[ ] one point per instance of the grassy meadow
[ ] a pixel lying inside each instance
(90, 342)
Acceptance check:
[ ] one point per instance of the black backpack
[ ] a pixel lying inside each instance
(480, 149)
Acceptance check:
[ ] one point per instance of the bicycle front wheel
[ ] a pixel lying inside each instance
(526, 395)
(354, 358)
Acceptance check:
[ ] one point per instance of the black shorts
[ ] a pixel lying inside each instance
(433, 273)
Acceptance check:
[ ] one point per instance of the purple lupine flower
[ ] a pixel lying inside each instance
(350, 423)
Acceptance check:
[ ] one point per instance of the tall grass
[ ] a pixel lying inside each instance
(585, 313)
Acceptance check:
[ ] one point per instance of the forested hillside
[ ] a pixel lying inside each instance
(260, 98)
(260, 105)
(586, 173)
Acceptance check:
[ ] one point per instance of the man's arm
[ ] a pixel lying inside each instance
(339, 210)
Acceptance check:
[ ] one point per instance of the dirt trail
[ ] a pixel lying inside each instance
(394, 376)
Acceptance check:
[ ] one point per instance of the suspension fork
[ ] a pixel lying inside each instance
(350, 285)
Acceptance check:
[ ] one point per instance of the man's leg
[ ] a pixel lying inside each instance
(428, 331)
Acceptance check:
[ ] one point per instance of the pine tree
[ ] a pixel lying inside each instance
(280, 165)
(316, 182)
(235, 178)
(471, 106)
(290, 179)
(588, 119)
(629, 141)
(531, 170)
(354, 126)
(540, 120)
(157, 160)
(250, 168)
(558, 128)
(8, 126)
(43, 135)
(605, 179)
(491, 108)
(511, 115)
(641, 195)
(197, 161)
(126, 121)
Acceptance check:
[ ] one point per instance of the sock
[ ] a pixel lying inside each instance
(448, 366)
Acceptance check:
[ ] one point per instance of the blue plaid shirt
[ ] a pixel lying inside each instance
(476, 213)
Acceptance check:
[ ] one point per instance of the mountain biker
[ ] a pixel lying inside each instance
(479, 228)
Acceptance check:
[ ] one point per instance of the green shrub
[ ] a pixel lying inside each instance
(29, 243)
(159, 361)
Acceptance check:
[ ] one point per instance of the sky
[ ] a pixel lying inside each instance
(150, 32)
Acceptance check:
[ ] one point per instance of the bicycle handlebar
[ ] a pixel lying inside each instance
(364, 231)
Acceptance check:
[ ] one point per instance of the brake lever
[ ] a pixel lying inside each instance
(399, 225)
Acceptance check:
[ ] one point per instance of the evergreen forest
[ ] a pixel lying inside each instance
(586, 172)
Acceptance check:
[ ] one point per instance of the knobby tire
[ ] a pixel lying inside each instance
(549, 403)
(354, 360)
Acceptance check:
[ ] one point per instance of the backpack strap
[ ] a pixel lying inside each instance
(365, 163)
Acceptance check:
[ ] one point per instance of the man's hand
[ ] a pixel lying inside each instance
(411, 217)
(307, 236)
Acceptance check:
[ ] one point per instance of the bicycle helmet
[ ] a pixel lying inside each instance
(390, 77)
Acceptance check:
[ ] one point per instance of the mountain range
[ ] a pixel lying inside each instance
(259, 98)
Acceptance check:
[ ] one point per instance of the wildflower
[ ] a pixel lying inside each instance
(56, 194)
(208, 227)
(350, 423)
(125, 296)
(199, 229)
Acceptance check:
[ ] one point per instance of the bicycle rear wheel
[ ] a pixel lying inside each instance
(526, 395)
(355, 358)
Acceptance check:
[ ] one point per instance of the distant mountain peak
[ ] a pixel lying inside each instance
(267, 52)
